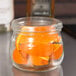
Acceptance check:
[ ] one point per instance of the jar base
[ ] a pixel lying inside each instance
(35, 69)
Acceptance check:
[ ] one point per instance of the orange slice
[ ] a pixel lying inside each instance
(41, 50)
(58, 50)
(39, 61)
(18, 57)
(38, 28)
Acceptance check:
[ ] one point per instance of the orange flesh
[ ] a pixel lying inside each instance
(39, 61)
(58, 52)
(18, 58)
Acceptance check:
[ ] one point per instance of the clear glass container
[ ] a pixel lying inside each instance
(36, 43)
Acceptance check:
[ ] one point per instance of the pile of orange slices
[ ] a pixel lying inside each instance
(40, 47)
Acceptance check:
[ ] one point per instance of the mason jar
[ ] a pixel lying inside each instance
(36, 43)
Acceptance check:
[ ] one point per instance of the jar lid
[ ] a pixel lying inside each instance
(37, 24)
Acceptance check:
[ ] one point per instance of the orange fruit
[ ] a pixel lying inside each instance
(58, 50)
(40, 49)
(39, 61)
(19, 58)
(38, 45)
(38, 28)
(35, 43)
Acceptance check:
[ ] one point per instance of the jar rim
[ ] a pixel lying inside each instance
(36, 24)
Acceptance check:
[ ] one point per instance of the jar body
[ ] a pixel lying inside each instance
(36, 51)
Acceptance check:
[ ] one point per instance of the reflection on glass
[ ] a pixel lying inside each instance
(57, 72)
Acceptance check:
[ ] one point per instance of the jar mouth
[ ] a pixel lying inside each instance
(36, 24)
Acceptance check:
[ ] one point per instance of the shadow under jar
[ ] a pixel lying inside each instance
(36, 43)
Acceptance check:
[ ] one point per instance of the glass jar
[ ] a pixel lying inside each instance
(36, 43)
